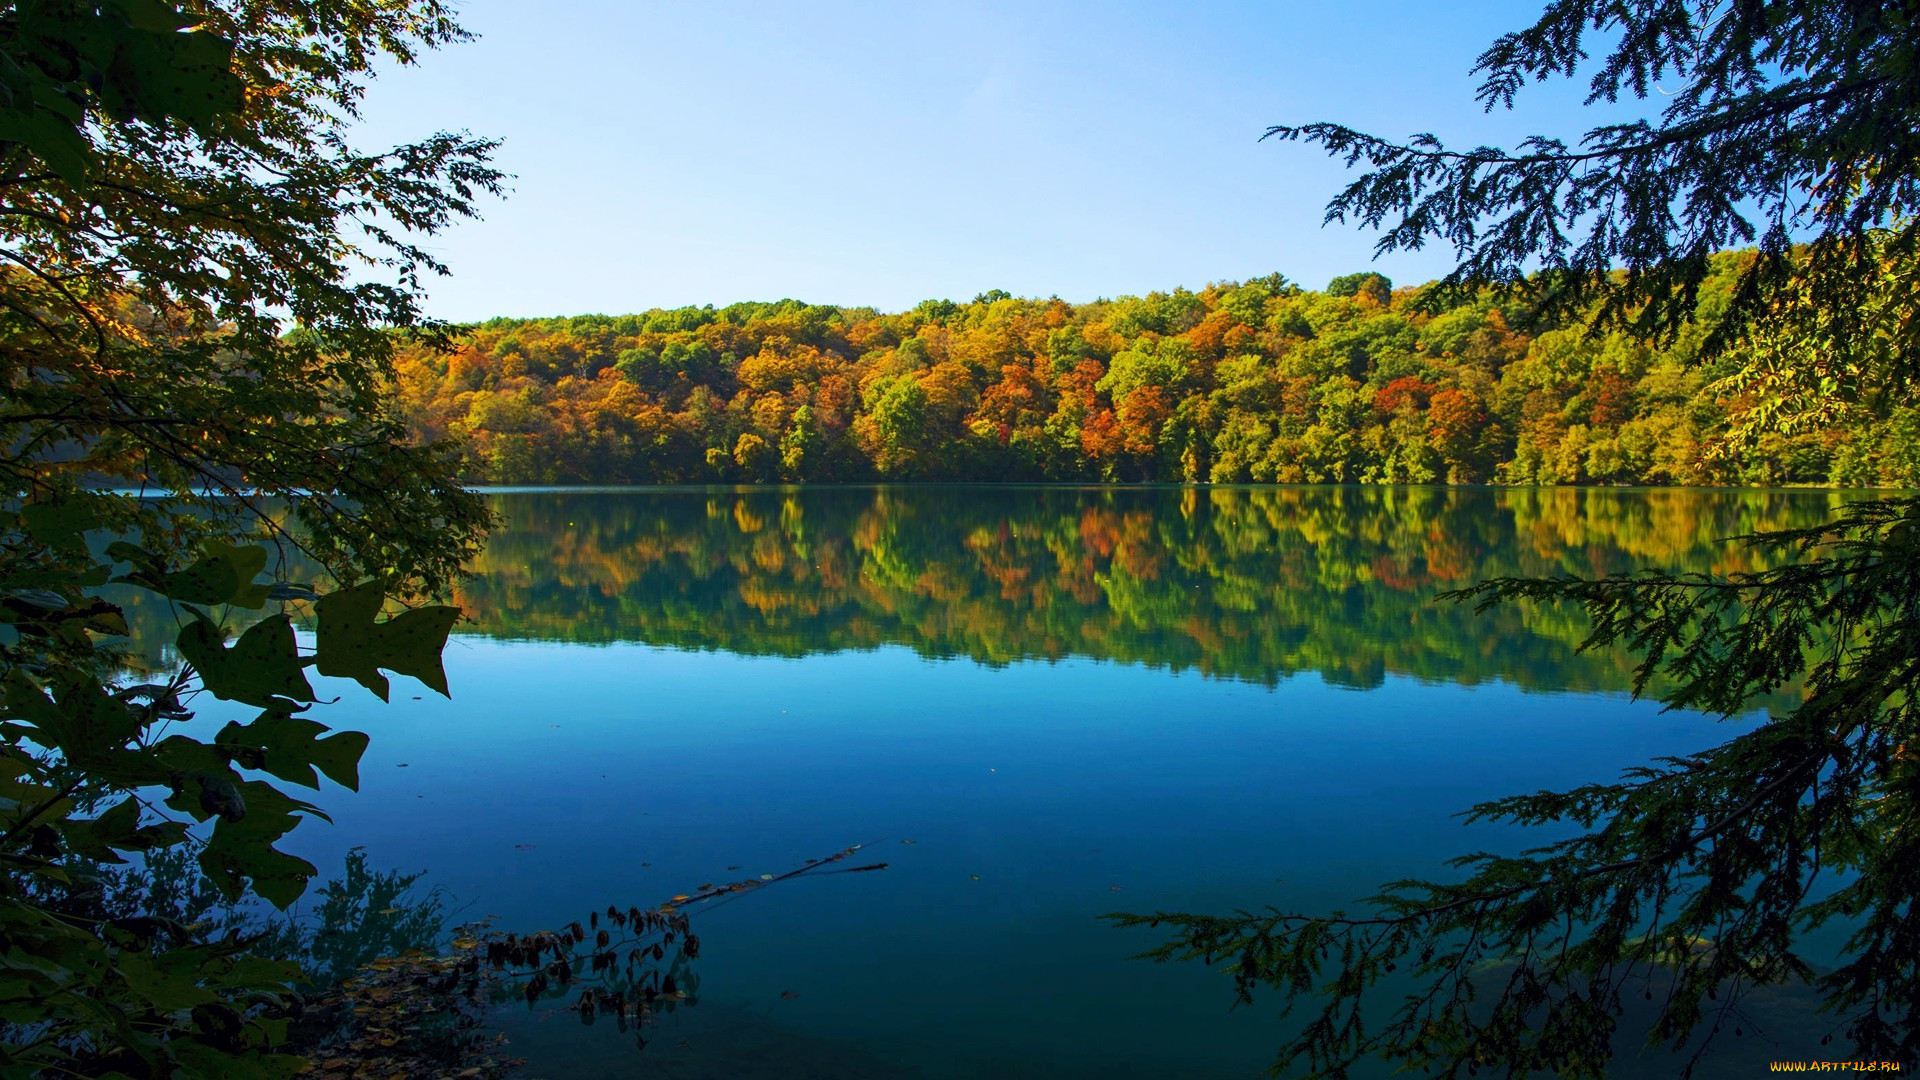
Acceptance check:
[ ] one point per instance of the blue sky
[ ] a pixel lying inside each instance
(881, 154)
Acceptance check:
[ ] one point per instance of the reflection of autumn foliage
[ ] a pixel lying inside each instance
(1254, 381)
(1254, 584)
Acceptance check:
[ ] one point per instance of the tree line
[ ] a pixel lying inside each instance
(1257, 381)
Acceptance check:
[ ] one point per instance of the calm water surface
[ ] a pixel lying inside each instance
(1037, 705)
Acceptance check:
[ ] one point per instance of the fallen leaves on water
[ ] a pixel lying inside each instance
(412, 1017)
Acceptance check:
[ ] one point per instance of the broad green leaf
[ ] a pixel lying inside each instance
(276, 876)
(247, 563)
(209, 580)
(289, 747)
(412, 643)
(23, 699)
(209, 793)
(152, 15)
(53, 139)
(263, 668)
(223, 574)
(19, 794)
(242, 846)
(63, 524)
(259, 970)
(81, 720)
(96, 838)
(104, 618)
(131, 766)
(141, 558)
(350, 644)
(159, 71)
(181, 754)
(345, 642)
(162, 981)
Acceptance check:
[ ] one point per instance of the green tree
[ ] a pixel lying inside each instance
(1692, 880)
(204, 286)
(1373, 286)
(894, 428)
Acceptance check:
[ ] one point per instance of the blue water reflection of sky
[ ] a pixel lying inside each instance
(1069, 789)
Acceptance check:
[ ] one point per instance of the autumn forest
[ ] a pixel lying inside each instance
(1256, 381)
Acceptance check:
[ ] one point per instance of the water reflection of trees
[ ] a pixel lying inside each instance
(1254, 584)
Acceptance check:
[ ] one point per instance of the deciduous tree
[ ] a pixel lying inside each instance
(202, 291)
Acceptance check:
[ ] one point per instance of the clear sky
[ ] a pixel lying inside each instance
(885, 153)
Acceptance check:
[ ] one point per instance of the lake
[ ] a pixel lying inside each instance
(1036, 705)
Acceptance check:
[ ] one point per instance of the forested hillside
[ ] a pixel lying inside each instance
(1251, 381)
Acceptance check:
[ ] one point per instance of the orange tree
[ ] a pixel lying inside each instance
(1794, 126)
(201, 287)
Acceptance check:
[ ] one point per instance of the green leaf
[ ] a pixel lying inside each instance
(64, 523)
(412, 643)
(263, 668)
(345, 642)
(253, 815)
(247, 563)
(238, 855)
(151, 15)
(289, 747)
(215, 578)
(260, 970)
(56, 141)
(162, 981)
(141, 558)
(223, 574)
(81, 720)
(350, 644)
(209, 793)
(23, 699)
(102, 617)
(97, 838)
(158, 71)
(43, 599)
(183, 754)
(18, 793)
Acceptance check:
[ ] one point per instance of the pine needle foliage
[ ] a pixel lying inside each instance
(1691, 880)
(1787, 122)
